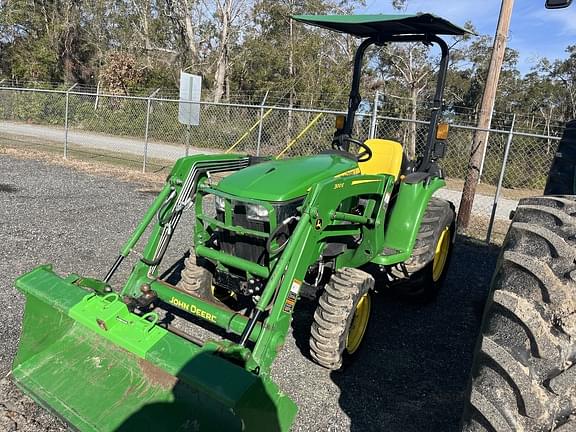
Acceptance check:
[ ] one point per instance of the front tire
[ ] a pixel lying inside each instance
(523, 377)
(196, 279)
(341, 317)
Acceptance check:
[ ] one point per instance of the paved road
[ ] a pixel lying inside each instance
(482, 203)
(410, 375)
(99, 141)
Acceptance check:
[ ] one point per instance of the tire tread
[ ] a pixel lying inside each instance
(531, 355)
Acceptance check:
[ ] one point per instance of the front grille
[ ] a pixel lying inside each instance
(246, 247)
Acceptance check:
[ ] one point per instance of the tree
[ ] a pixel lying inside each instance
(227, 13)
(563, 72)
(121, 73)
(298, 64)
(44, 40)
(476, 57)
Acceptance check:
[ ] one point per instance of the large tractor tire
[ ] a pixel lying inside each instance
(341, 317)
(523, 377)
(422, 275)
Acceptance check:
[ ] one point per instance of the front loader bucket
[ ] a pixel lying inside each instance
(101, 368)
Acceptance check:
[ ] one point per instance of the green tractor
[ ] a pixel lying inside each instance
(324, 226)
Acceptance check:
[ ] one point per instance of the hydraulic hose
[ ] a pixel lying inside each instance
(275, 234)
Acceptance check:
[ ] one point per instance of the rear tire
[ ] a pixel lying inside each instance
(424, 272)
(341, 317)
(523, 377)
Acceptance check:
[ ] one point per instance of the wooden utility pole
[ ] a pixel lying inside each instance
(481, 136)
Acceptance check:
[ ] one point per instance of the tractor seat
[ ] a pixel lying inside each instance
(387, 157)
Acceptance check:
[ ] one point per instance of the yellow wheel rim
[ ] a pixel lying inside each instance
(441, 254)
(359, 324)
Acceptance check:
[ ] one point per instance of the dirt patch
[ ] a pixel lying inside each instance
(478, 228)
(157, 376)
(152, 182)
(149, 191)
(8, 188)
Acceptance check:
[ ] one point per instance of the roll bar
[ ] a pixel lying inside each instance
(355, 99)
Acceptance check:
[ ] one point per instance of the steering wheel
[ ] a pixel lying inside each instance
(363, 156)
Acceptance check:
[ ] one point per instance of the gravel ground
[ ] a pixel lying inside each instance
(482, 204)
(409, 376)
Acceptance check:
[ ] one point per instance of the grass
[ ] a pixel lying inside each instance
(113, 167)
(121, 165)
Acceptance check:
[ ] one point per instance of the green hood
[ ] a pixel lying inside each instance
(283, 180)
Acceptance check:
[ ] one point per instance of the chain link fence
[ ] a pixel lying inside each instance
(144, 133)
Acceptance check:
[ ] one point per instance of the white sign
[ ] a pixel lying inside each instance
(190, 88)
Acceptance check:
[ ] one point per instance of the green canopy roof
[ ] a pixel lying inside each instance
(383, 25)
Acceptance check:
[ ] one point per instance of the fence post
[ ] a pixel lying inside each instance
(97, 96)
(187, 139)
(148, 106)
(261, 122)
(66, 121)
(374, 115)
(500, 179)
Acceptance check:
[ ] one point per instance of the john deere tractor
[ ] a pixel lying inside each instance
(326, 225)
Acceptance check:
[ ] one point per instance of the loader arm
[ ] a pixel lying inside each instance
(176, 196)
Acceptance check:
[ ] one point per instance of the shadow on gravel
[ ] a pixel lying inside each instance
(412, 370)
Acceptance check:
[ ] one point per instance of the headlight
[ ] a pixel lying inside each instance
(219, 202)
(256, 212)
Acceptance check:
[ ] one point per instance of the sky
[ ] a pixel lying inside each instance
(535, 31)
